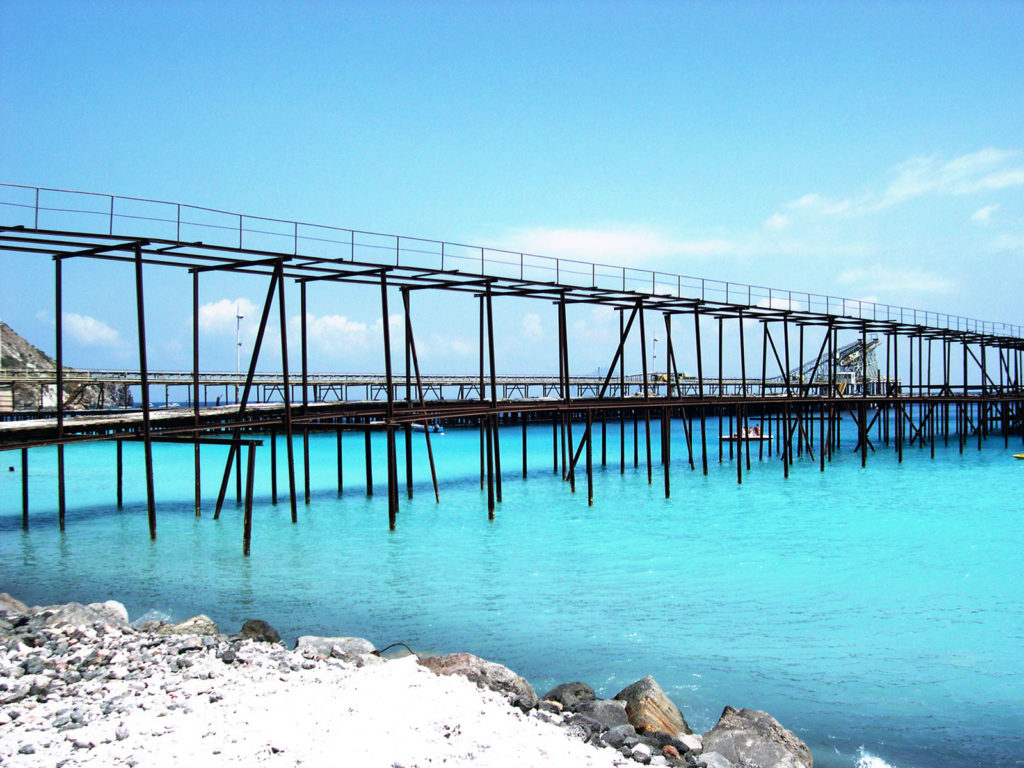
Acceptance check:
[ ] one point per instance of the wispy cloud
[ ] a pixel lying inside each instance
(1008, 242)
(446, 345)
(882, 279)
(629, 245)
(983, 216)
(531, 327)
(986, 170)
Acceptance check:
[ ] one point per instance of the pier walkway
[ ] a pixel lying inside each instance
(805, 361)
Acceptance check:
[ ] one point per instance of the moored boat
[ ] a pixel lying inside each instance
(752, 435)
(433, 428)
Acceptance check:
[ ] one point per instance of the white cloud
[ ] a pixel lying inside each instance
(614, 246)
(983, 216)
(220, 316)
(334, 334)
(982, 171)
(531, 327)
(776, 222)
(885, 280)
(90, 331)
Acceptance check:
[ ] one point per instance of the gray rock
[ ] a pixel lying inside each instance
(641, 753)
(74, 614)
(649, 709)
(608, 713)
(116, 613)
(15, 695)
(583, 727)
(121, 733)
(570, 694)
(347, 647)
(259, 630)
(485, 674)
(755, 739)
(12, 605)
(548, 717)
(616, 737)
(40, 685)
(691, 741)
(714, 760)
(197, 625)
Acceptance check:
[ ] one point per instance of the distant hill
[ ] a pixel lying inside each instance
(19, 356)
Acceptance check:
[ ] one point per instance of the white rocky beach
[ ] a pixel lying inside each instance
(80, 686)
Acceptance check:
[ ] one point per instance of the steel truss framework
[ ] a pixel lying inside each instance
(787, 401)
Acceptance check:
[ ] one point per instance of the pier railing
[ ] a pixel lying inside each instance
(90, 212)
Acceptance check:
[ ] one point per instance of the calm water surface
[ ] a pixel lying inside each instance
(878, 613)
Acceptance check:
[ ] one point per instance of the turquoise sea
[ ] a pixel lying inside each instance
(878, 613)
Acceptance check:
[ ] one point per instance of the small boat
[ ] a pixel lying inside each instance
(436, 429)
(750, 436)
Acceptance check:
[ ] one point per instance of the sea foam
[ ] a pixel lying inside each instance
(867, 760)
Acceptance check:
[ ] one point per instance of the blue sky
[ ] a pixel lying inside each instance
(868, 150)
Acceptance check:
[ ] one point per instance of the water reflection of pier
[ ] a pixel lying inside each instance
(900, 377)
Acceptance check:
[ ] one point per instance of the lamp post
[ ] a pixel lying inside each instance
(654, 365)
(238, 346)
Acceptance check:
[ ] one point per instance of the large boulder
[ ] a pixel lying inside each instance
(754, 739)
(116, 612)
(486, 674)
(715, 760)
(78, 615)
(649, 709)
(197, 625)
(569, 695)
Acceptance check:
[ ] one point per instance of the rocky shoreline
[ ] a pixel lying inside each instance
(81, 686)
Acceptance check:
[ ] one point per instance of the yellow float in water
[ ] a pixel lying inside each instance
(1018, 455)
